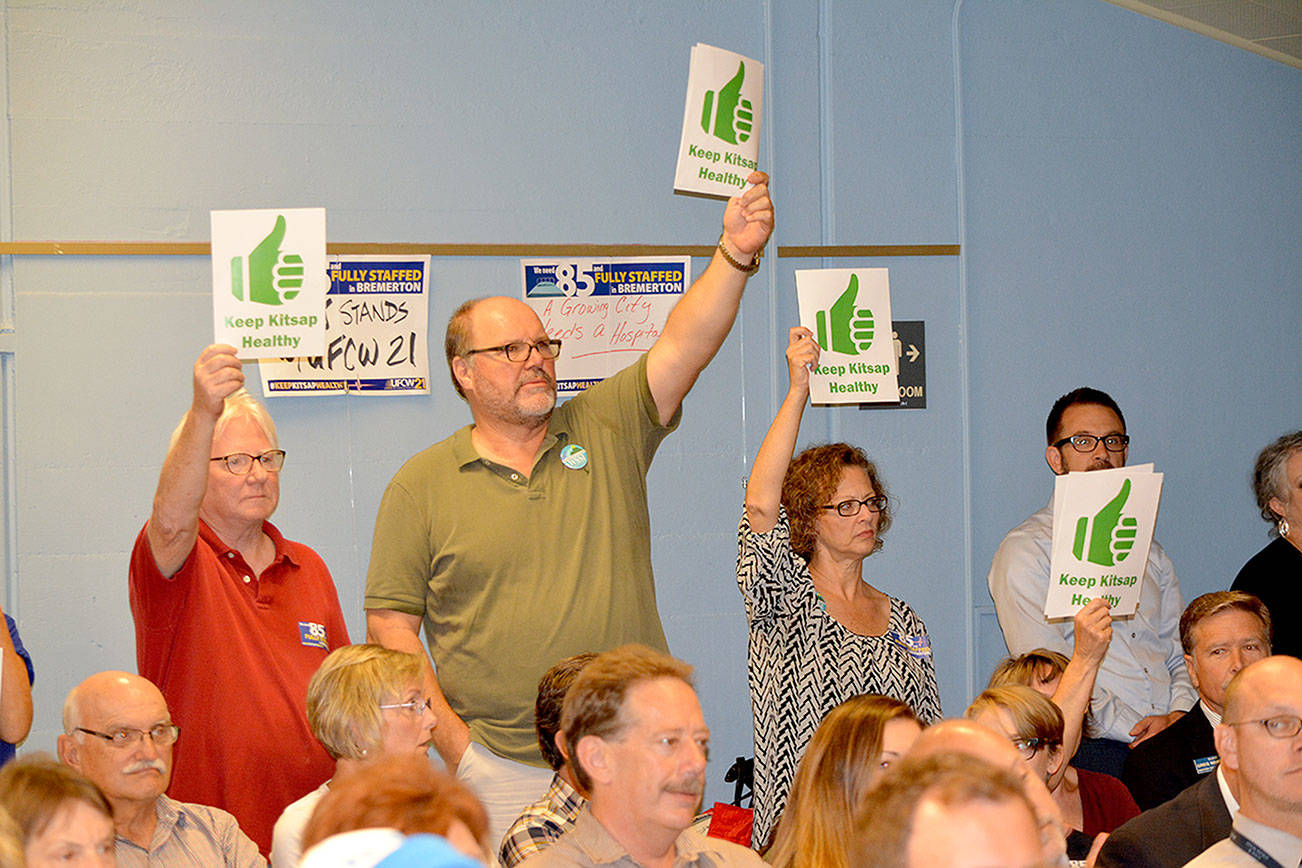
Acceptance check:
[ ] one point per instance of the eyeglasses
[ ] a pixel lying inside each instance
(161, 735)
(518, 351)
(1028, 746)
(1088, 442)
(1279, 726)
(850, 507)
(241, 463)
(415, 706)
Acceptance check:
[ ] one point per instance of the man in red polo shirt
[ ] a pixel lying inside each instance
(231, 618)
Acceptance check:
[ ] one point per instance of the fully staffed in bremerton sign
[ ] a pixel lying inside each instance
(269, 281)
(719, 147)
(849, 312)
(1103, 523)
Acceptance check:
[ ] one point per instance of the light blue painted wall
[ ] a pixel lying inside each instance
(1144, 173)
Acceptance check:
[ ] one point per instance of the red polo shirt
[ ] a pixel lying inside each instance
(232, 653)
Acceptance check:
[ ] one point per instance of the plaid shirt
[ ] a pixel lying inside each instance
(542, 822)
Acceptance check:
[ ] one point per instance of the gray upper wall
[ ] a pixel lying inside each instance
(1128, 196)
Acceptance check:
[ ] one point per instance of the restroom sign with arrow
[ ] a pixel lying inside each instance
(910, 338)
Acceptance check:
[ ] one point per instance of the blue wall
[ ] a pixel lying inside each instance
(1127, 195)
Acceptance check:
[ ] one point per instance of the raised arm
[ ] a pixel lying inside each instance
(764, 489)
(1092, 633)
(15, 690)
(174, 523)
(704, 315)
(401, 632)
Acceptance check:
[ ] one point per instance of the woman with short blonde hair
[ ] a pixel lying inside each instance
(1090, 802)
(363, 703)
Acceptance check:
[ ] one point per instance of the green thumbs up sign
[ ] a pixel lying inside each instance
(1111, 536)
(274, 276)
(726, 115)
(846, 328)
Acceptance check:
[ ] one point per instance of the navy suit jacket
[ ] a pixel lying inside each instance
(1171, 834)
(1160, 768)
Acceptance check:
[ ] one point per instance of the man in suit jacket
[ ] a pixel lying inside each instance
(1171, 834)
(1221, 633)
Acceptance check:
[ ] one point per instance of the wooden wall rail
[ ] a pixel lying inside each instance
(201, 248)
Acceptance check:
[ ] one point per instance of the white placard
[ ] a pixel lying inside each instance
(377, 324)
(849, 312)
(1103, 523)
(719, 147)
(269, 281)
(606, 312)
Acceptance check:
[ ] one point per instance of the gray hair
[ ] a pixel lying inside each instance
(1268, 475)
(238, 403)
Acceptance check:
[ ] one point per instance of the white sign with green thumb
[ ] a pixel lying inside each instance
(1103, 524)
(719, 147)
(269, 282)
(849, 312)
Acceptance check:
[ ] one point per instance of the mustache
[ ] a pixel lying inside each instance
(692, 785)
(144, 766)
(538, 372)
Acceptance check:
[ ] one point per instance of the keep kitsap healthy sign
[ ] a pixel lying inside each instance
(269, 281)
(849, 312)
(719, 147)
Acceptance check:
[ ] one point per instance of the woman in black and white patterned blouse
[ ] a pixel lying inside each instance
(819, 633)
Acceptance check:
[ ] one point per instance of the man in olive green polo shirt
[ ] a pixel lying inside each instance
(524, 537)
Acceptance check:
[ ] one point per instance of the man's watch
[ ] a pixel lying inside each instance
(745, 269)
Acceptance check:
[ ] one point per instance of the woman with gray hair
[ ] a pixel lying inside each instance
(1274, 574)
(365, 702)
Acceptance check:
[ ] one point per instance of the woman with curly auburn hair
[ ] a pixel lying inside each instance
(819, 633)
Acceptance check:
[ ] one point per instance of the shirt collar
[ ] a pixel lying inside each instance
(601, 847)
(278, 540)
(1230, 802)
(464, 452)
(1212, 717)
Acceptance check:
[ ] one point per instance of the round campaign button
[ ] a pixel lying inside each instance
(574, 456)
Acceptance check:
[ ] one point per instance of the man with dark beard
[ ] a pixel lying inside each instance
(638, 745)
(1142, 686)
(524, 538)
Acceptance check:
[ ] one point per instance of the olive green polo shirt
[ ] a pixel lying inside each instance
(513, 574)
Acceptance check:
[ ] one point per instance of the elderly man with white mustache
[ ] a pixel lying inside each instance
(119, 734)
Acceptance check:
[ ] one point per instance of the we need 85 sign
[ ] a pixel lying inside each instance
(606, 312)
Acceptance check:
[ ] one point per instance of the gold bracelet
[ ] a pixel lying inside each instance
(744, 269)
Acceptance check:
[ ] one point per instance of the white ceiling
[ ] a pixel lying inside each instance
(1272, 28)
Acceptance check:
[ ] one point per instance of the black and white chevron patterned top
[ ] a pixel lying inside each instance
(802, 662)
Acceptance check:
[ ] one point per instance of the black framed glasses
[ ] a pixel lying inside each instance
(1088, 442)
(241, 463)
(518, 351)
(850, 507)
(415, 706)
(162, 735)
(1279, 726)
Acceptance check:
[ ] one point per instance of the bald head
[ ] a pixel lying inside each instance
(1250, 690)
(970, 738)
(89, 701)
